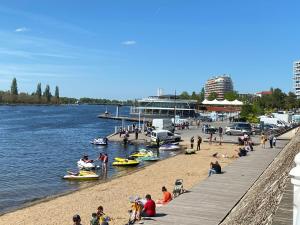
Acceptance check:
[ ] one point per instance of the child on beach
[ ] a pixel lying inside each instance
(94, 220)
(76, 220)
(103, 219)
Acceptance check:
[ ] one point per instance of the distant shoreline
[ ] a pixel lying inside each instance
(62, 104)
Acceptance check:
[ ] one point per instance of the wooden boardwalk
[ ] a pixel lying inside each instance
(209, 202)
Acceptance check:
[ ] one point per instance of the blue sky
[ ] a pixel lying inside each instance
(128, 48)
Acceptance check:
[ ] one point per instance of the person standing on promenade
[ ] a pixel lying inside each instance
(199, 141)
(192, 142)
(271, 136)
(220, 135)
(274, 141)
(263, 140)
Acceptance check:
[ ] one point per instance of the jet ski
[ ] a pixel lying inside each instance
(86, 165)
(82, 175)
(169, 147)
(142, 153)
(149, 158)
(125, 162)
(100, 141)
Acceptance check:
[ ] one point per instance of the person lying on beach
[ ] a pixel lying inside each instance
(167, 197)
(149, 209)
(103, 219)
(76, 220)
(215, 168)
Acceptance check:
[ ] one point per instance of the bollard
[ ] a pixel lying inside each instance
(295, 173)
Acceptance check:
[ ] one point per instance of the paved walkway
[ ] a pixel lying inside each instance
(209, 202)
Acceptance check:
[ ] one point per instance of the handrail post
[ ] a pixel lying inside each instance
(295, 173)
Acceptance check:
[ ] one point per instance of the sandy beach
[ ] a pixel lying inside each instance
(114, 195)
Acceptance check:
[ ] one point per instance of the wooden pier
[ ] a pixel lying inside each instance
(125, 118)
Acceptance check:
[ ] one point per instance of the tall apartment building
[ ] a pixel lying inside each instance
(220, 85)
(297, 78)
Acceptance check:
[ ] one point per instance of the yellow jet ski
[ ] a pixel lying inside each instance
(125, 162)
(142, 153)
(81, 175)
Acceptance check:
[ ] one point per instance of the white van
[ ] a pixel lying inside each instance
(163, 124)
(164, 135)
(273, 121)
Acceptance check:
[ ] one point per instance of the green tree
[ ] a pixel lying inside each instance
(194, 96)
(39, 91)
(231, 96)
(14, 87)
(56, 94)
(184, 95)
(290, 101)
(47, 93)
(212, 96)
(202, 95)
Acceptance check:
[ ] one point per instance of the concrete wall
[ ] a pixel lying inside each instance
(261, 201)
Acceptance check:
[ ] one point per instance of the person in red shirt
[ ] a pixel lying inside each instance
(149, 207)
(167, 196)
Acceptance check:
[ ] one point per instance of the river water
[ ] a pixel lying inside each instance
(38, 144)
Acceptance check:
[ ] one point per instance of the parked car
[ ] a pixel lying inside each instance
(240, 128)
(207, 129)
(164, 135)
(273, 127)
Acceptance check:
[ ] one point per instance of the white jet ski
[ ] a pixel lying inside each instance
(169, 147)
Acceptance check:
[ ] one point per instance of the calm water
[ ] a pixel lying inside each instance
(38, 144)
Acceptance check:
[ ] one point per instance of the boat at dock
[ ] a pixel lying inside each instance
(100, 141)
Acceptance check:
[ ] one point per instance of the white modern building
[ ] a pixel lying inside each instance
(297, 78)
(219, 85)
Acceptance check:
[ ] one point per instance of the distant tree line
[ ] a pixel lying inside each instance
(45, 97)
(269, 103)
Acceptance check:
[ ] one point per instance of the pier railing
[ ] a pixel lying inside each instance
(295, 173)
(129, 128)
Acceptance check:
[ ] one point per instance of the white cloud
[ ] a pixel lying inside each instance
(131, 42)
(21, 29)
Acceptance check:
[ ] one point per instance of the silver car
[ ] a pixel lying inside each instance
(239, 129)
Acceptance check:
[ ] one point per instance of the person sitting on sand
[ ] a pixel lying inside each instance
(242, 152)
(149, 207)
(215, 168)
(167, 197)
(76, 220)
(103, 219)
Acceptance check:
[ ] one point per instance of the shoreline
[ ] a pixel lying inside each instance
(113, 194)
(36, 201)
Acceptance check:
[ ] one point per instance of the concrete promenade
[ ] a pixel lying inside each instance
(209, 202)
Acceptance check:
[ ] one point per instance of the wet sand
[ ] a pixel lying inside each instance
(114, 195)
